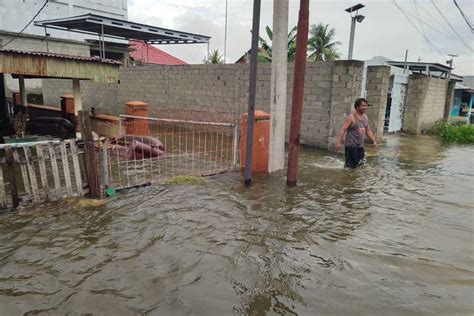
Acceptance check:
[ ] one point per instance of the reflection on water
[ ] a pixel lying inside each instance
(394, 236)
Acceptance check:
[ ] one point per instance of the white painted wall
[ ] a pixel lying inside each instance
(15, 14)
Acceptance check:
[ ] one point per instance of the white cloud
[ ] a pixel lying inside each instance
(384, 32)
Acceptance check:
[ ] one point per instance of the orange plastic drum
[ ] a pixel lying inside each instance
(137, 126)
(261, 141)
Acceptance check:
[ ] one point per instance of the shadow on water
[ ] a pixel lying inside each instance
(394, 237)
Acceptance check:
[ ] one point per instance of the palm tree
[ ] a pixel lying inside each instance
(215, 57)
(265, 49)
(321, 45)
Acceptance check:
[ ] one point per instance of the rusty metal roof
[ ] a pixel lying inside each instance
(63, 56)
(61, 66)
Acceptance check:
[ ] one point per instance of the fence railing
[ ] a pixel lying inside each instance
(41, 171)
(151, 150)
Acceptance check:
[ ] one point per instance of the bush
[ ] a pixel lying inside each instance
(459, 133)
(436, 128)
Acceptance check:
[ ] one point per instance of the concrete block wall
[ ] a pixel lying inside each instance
(346, 86)
(330, 91)
(377, 84)
(102, 96)
(425, 103)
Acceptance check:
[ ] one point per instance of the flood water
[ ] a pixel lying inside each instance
(394, 237)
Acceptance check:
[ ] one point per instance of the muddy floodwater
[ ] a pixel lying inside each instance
(395, 237)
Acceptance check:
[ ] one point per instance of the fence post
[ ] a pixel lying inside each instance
(105, 162)
(89, 153)
(11, 175)
(235, 141)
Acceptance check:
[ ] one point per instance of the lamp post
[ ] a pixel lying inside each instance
(354, 18)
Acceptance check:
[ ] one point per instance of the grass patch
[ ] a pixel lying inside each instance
(193, 180)
(460, 133)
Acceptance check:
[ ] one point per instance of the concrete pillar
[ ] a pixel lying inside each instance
(345, 88)
(278, 86)
(76, 87)
(377, 84)
(449, 99)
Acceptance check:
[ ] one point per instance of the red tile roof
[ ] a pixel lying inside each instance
(148, 54)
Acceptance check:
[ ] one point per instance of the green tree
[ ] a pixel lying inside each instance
(265, 49)
(321, 44)
(215, 57)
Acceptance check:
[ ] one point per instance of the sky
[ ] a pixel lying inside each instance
(385, 31)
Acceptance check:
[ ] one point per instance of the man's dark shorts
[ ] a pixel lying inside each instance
(355, 156)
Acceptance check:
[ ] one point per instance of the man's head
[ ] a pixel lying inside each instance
(361, 105)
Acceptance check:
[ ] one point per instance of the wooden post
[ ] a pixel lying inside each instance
(76, 87)
(43, 172)
(32, 173)
(89, 152)
(54, 167)
(21, 82)
(3, 104)
(11, 175)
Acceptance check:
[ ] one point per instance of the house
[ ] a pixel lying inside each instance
(462, 109)
(420, 93)
(144, 53)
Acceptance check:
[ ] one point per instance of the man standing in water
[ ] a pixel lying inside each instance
(356, 126)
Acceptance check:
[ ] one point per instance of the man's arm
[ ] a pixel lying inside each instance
(342, 132)
(370, 135)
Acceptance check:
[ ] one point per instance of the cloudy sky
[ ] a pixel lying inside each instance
(386, 31)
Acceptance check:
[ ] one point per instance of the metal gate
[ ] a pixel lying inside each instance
(397, 109)
(151, 150)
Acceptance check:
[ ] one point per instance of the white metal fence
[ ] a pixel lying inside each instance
(150, 150)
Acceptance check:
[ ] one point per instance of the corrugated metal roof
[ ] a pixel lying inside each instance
(62, 56)
(116, 28)
(51, 65)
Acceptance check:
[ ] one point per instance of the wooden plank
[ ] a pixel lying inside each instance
(24, 175)
(3, 195)
(32, 173)
(54, 164)
(77, 168)
(20, 145)
(11, 175)
(89, 153)
(67, 175)
(43, 173)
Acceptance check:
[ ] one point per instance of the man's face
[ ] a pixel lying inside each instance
(363, 107)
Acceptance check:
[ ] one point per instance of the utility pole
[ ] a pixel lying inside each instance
(252, 92)
(450, 63)
(225, 34)
(298, 93)
(406, 59)
(278, 86)
(354, 18)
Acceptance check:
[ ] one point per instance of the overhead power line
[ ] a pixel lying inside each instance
(452, 28)
(28, 24)
(469, 23)
(418, 30)
(423, 22)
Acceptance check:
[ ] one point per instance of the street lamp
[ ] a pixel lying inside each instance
(354, 17)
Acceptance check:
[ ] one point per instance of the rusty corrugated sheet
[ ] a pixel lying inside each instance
(49, 65)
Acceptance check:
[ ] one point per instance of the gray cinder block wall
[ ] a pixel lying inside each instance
(330, 91)
(425, 102)
(378, 79)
